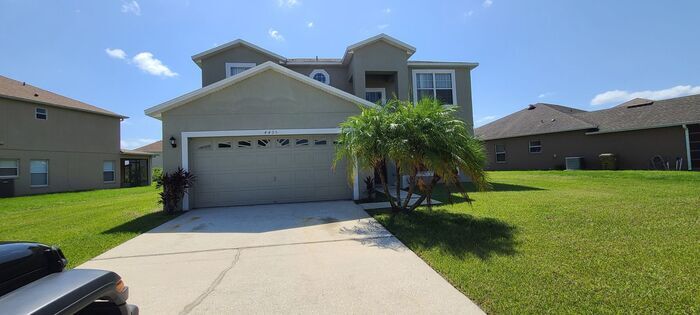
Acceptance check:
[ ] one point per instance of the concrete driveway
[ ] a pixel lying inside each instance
(323, 257)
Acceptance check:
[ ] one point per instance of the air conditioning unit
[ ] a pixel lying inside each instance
(574, 163)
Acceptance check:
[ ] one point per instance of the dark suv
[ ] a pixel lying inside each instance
(33, 281)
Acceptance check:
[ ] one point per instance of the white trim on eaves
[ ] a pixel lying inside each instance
(186, 135)
(198, 57)
(156, 111)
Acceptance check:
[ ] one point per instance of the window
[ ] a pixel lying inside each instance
(244, 144)
(204, 147)
(437, 84)
(41, 113)
(39, 173)
(320, 75)
(535, 146)
(263, 143)
(500, 153)
(224, 145)
(9, 168)
(301, 142)
(108, 173)
(320, 142)
(283, 142)
(234, 68)
(375, 95)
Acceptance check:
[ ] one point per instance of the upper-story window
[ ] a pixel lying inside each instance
(320, 75)
(234, 68)
(438, 84)
(41, 113)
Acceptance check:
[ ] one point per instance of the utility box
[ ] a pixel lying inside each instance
(574, 163)
(608, 161)
(7, 187)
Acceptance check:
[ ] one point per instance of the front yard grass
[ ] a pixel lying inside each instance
(83, 224)
(567, 242)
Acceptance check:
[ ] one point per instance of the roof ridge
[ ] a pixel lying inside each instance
(59, 100)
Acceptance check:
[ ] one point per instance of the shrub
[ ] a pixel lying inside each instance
(174, 186)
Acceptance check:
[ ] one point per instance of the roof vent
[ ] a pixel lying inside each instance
(24, 83)
(530, 107)
(637, 102)
(36, 95)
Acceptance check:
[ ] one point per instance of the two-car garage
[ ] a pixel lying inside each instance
(265, 169)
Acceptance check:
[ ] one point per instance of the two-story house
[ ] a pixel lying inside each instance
(261, 128)
(52, 143)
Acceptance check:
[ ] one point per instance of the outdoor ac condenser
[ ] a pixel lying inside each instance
(574, 163)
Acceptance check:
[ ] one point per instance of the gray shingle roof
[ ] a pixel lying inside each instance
(631, 115)
(536, 119)
(14, 89)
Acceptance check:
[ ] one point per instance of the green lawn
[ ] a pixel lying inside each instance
(83, 224)
(567, 242)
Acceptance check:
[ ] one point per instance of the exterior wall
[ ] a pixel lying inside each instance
(214, 66)
(269, 100)
(634, 149)
(157, 161)
(338, 74)
(464, 91)
(382, 58)
(75, 143)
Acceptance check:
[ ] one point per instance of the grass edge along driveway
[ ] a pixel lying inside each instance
(567, 242)
(83, 224)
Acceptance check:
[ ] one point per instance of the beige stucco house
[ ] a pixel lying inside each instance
(261, 128)
(156, 151)
(51, 143)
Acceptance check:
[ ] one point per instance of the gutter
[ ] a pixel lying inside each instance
(687, 147)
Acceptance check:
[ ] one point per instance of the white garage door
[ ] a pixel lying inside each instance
(258, 170)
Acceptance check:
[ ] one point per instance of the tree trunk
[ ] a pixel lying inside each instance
(422, 198)
(398, 186)
(411, 185)
(385, 185)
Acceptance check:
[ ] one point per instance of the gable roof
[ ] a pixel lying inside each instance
(535, 119)
(381, 37)
(152, 147)
(657, 114)
(238, 42)
(156, 111)
(17, 90)
(635, 114)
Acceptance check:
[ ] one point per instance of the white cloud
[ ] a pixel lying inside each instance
(487, 3)
(115, 53)
(288, 3)
(545, 94)
(484, 120)
(619, 96)
(310, 24)
(382, 26)
(146, 62)
(275, 34)
(131, 7)
(387, 10)
(135, 143)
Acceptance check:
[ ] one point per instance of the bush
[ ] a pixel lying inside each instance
(174, 189)
(157, 173)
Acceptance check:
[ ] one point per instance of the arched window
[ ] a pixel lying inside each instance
(320, 75)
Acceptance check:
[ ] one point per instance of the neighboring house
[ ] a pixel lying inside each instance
(51, 143)
(636, 132)
(156, 151)
(261, 129)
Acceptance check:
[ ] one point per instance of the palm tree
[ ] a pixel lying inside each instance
(426, 136)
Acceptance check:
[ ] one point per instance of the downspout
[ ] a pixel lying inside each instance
(687, 147)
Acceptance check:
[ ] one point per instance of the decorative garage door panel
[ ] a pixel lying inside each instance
(259, 170)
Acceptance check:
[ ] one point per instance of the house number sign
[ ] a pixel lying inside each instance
(271, 132)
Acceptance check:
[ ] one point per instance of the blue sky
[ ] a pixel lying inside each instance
(586, 54)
